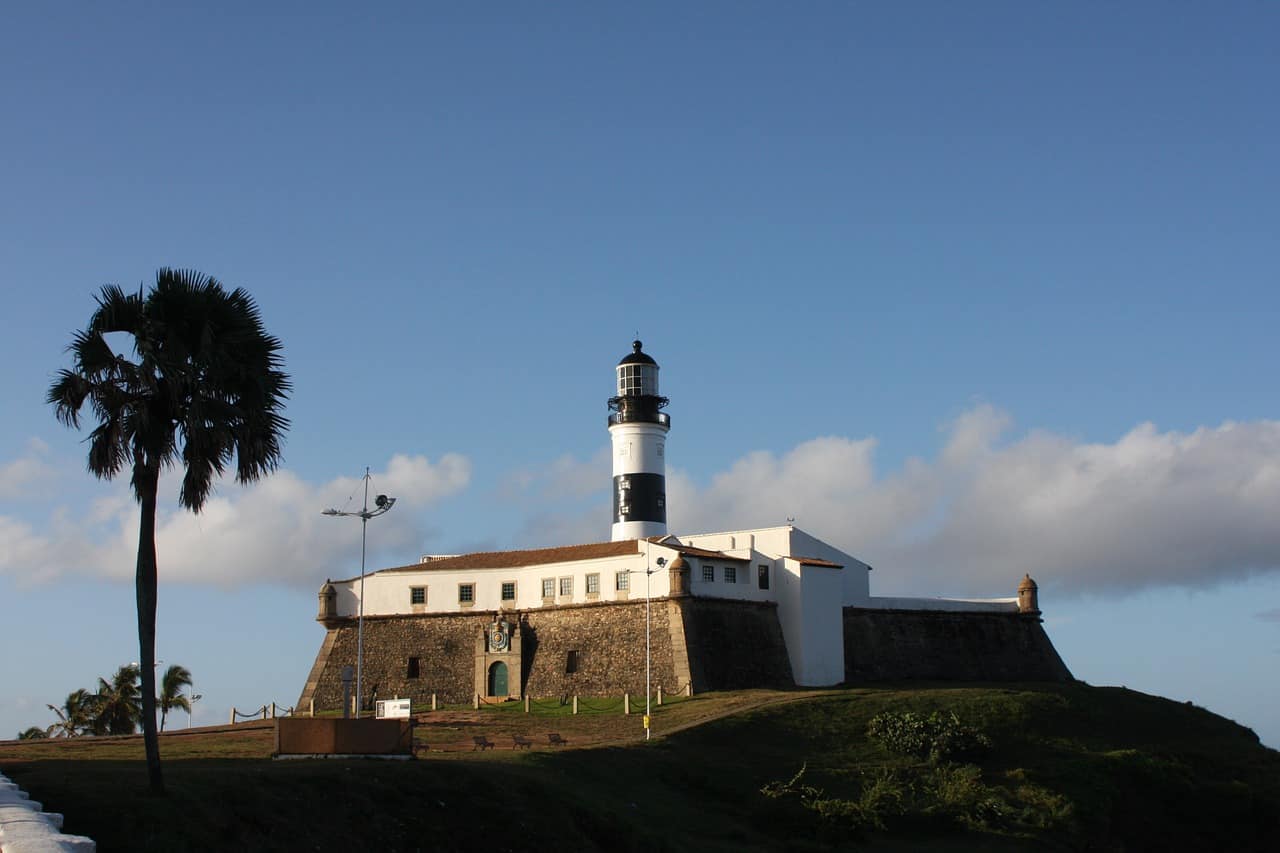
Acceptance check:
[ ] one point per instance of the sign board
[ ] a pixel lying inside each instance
(388, 709)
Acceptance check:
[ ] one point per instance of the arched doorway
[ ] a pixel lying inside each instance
(498, 679)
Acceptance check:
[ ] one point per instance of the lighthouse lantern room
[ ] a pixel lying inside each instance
(638, 427)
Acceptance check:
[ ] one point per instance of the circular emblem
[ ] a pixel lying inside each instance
(498, 640)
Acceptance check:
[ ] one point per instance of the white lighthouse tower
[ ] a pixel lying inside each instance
(638, 427)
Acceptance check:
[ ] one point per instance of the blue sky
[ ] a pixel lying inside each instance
(969, 290)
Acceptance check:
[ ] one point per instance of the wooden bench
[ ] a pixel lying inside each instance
(481, 743)
(519, 742)
(554, 739)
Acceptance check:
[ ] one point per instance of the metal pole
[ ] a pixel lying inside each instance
(364, 534)
(647, 573)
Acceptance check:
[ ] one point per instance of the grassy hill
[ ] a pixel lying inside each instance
(1067, 767)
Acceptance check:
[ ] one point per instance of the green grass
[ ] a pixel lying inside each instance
(1071, 767)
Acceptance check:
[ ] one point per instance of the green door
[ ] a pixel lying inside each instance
(498, 679)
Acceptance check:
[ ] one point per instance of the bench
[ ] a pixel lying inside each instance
(554, 739)
(518, 742)
(481, 743)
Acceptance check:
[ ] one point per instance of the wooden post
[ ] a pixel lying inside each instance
(312, 707)
(526, 703)
(688, 689)
(626, 704)
(575, 703)
(233, 717)
(433, 702)
(659, 694)
(273, 704)
(475, 701)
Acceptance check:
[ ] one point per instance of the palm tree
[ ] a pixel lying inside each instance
(76, 715)
(119, 703)
(203, 385)
(33, 733)
(171, 696)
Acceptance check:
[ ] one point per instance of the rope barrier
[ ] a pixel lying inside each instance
(280, 711)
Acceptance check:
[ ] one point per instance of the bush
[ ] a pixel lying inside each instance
(937, 737)
(883, 796)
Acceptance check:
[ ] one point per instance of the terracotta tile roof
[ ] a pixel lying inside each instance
(689, 550)
(516, 559)
(816, 561)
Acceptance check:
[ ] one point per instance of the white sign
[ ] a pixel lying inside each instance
(392, 708)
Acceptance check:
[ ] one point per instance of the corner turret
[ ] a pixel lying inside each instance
(1028, 597)
(328, 613)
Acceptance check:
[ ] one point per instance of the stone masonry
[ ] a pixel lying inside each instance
(598, 649)
(892, 645)
(585, 650)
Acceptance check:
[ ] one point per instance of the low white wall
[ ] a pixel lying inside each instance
(25, 826)
(959, 605)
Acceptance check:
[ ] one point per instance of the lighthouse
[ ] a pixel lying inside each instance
(638, 427)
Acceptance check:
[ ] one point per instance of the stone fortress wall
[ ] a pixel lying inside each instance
(713, 644)
(942, 645)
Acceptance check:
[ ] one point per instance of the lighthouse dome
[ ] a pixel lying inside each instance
(637, 357)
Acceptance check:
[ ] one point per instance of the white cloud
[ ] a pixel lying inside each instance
(269, 532)
(27, 473)
(564, 477)
(1149, 509)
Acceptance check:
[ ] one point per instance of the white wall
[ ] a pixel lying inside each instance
(958, 605)
(812, 617)
(387, 593)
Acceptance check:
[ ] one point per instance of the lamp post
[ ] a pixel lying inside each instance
(648, 659)
(382, 504)
(191, 711)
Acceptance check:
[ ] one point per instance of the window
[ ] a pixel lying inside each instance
(764, 576)
(466, 593)
(508, 590)
(637, 379)
(730, 574)
(548, 587)
(571, 662)
(593, 584)
(566, 586)
(412, 671)
(417, 595)
(622, 581)
(708, 574)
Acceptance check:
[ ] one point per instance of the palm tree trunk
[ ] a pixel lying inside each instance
(147, 481)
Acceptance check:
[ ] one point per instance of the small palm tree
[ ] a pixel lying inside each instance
(171, 696)
(33, 733)
(202, 386)
(76, 715)
(119, 703)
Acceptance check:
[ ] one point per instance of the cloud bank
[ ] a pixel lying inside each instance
(268, 532)
(1150, 509)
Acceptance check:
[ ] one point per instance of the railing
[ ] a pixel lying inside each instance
(660, 418)
(273, 709)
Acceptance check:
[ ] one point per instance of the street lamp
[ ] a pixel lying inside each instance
(191, 710)
(648, 659)
(382, 504)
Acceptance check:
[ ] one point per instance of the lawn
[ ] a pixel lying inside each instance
(1070, 767)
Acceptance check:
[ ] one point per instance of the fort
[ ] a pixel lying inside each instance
(767, 607)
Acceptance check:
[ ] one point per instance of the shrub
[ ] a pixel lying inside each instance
(936, 737)
(882, 797)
